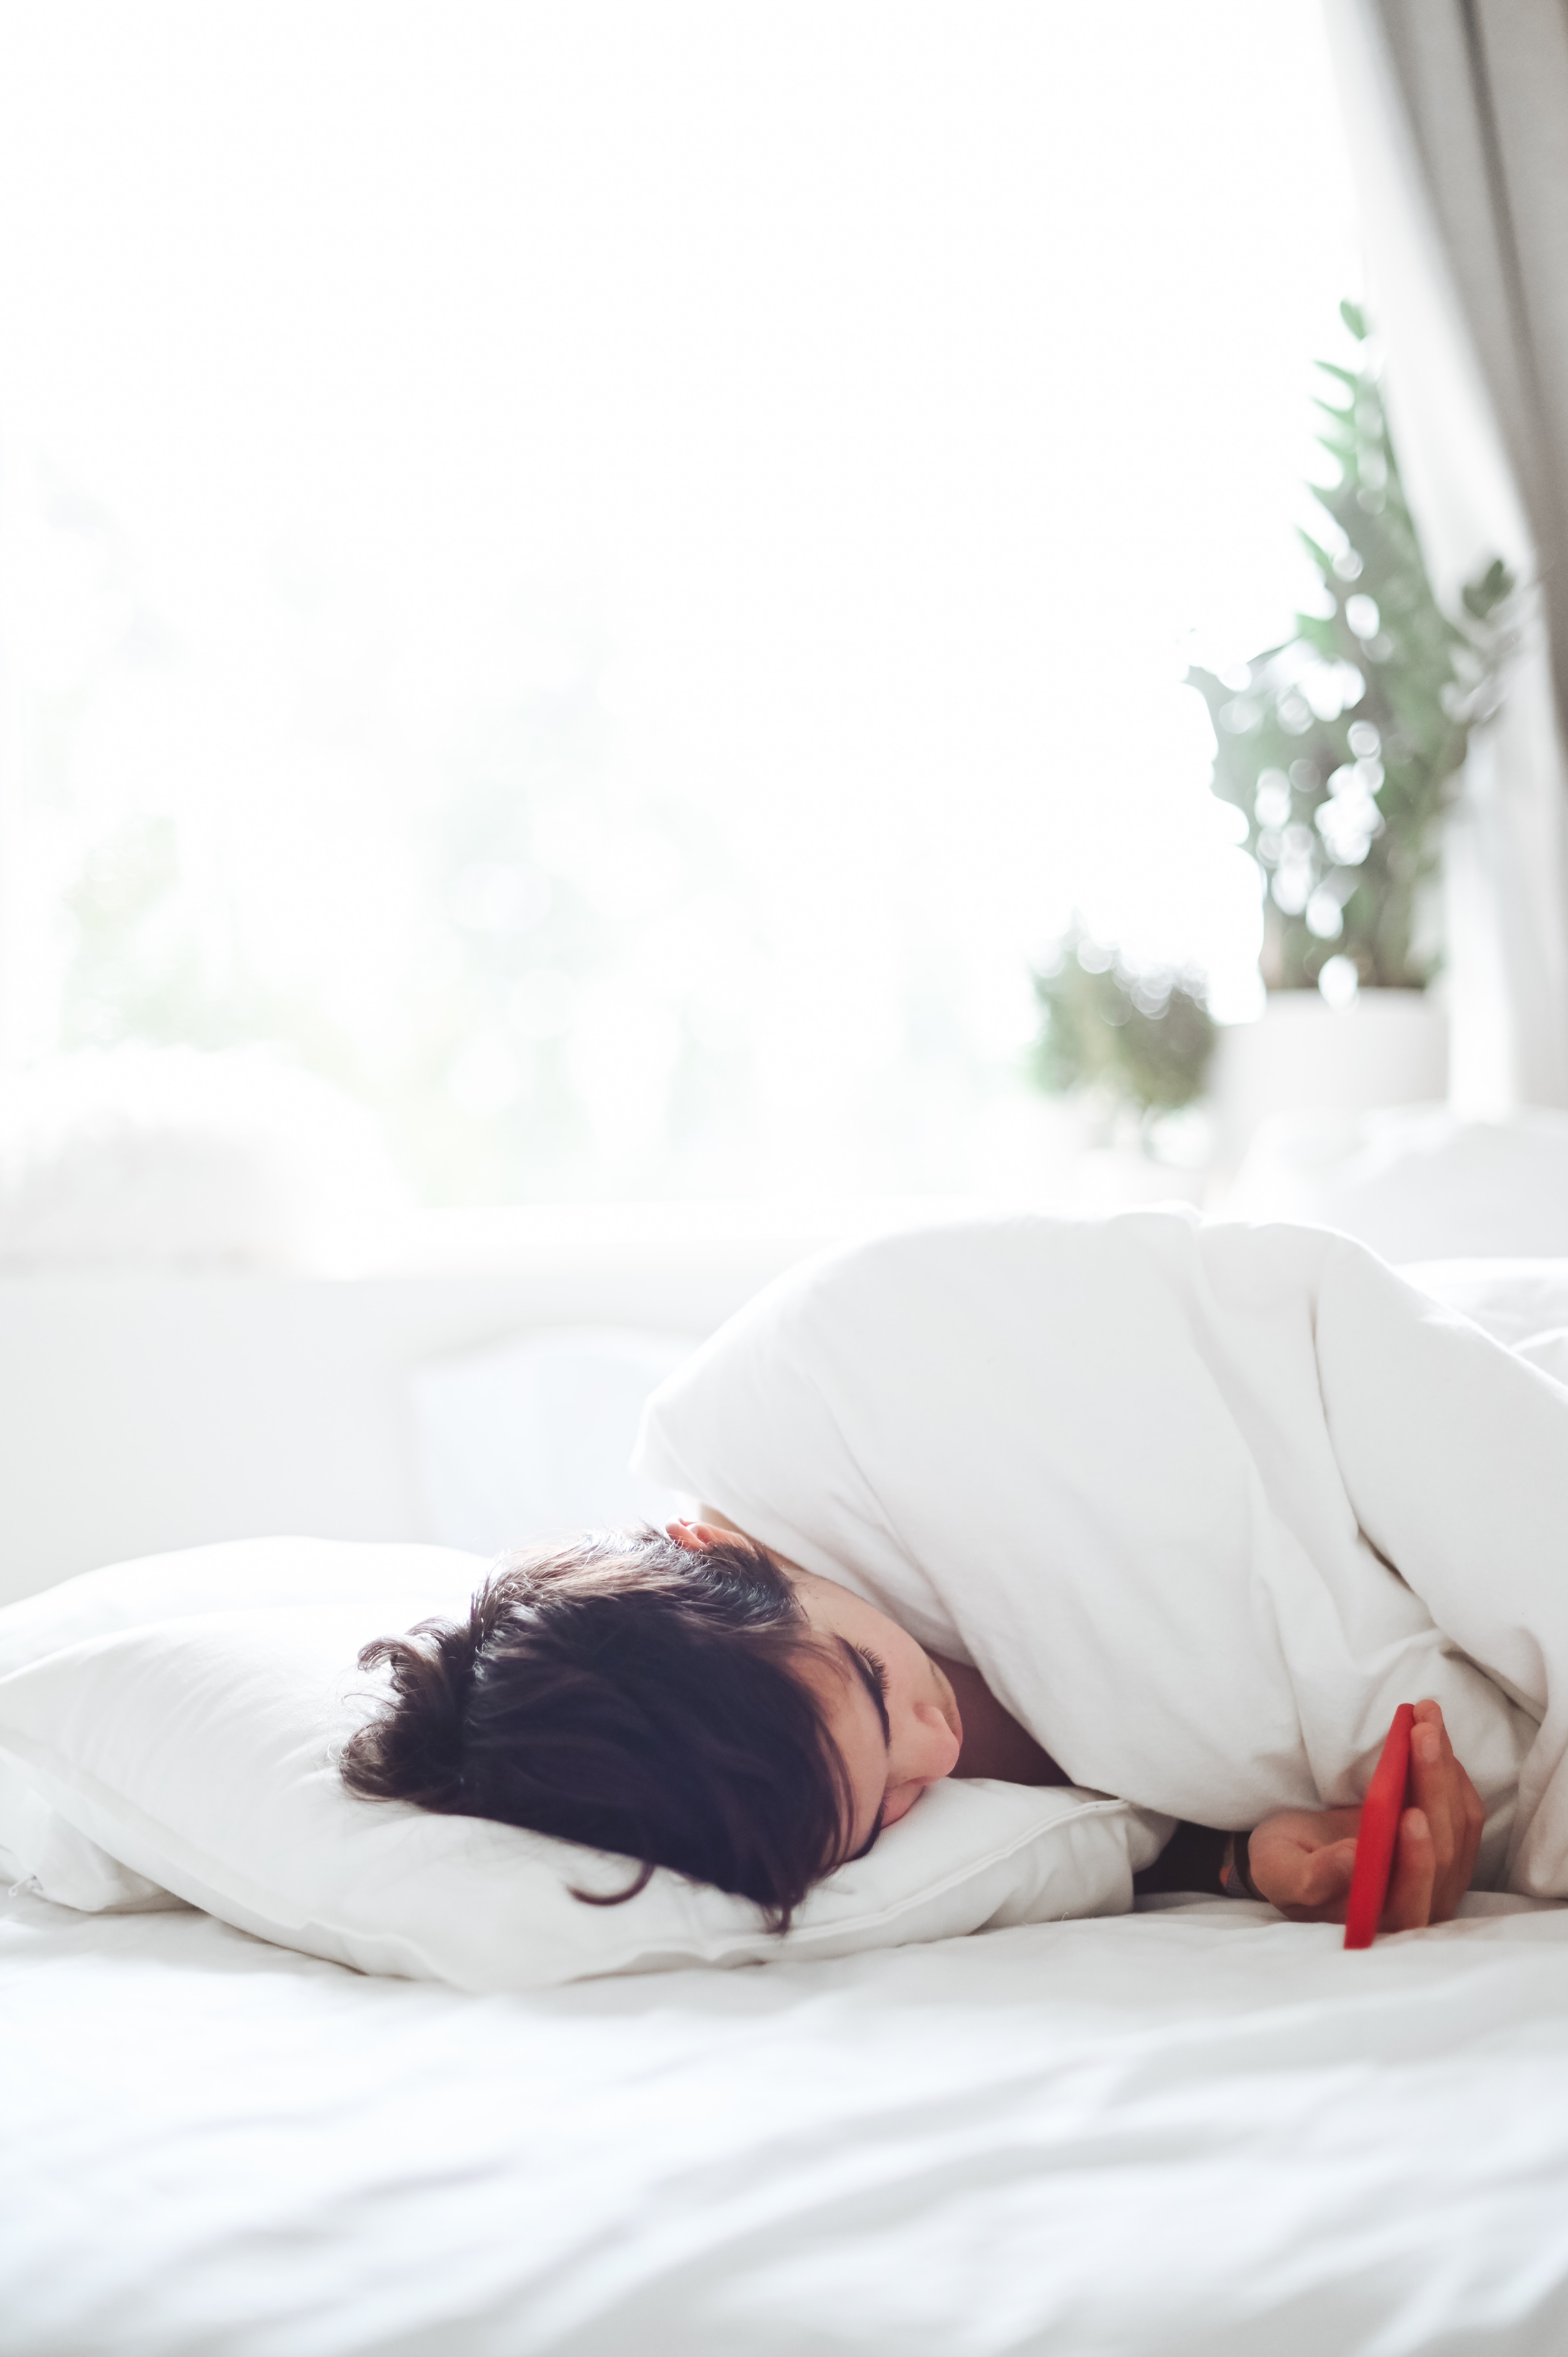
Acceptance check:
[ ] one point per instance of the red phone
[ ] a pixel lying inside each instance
(1380, 1813)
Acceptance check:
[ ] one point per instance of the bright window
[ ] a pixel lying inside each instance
(608, 573)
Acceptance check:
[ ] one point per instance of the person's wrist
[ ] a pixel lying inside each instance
(1236, 1870)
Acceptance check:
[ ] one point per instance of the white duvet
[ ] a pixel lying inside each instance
(1203, 1502)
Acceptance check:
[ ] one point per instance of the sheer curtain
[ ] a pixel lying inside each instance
(1457, 116)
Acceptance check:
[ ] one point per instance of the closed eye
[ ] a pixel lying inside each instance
(872, 1675)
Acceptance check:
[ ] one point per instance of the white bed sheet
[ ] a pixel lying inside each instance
(1199, 2130)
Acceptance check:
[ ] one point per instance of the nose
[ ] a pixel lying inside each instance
(938, 1748)
(929, 1752)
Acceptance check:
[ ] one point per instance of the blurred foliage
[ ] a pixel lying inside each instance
(130, 974)
(1140, 1037)
(484, 1096)
(566, 1010)
(137, 969)
(1342, 746)
(141, 970)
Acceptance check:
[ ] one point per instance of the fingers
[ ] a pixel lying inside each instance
(1323, 1880)
(1412, 1883)
(1451, 1807)
(1473, 1825)
(1296, 1871)
(1433, 1790)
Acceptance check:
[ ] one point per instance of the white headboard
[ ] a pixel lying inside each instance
(142, 1410)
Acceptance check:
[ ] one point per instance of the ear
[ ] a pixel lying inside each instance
(698, 1537)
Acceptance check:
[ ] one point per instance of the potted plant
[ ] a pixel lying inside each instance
(1136, 1041)
(1342, 748)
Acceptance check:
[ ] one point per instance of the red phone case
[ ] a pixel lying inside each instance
(1380, 1813)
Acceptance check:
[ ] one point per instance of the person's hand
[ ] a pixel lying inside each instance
(1301, 1859)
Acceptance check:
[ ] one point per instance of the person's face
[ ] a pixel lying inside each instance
(888, 1707)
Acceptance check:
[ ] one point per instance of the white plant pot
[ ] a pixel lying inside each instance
(1387, 1048)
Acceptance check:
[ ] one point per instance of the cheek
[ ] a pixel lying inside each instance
(900, 1799)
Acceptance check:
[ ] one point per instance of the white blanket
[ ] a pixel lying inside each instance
(1203, 1502)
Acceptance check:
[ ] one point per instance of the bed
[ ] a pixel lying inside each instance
(1193, 2128)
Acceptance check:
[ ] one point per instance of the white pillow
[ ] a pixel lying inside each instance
(236, 1576)
(38, 1844)
(198, 1751)
(1414, 1182)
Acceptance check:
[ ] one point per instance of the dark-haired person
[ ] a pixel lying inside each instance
(1174, 1509)
(686, 1699)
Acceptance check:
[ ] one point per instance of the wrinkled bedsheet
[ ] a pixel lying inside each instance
(1198, 2131)
(1203, 1501)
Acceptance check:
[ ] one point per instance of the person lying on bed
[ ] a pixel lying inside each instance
(1202, 1502)
(689, 1700)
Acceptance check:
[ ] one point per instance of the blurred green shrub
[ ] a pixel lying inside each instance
(1342, 747)
(1137, 1037)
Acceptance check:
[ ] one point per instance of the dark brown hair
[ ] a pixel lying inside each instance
(623, 1692)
